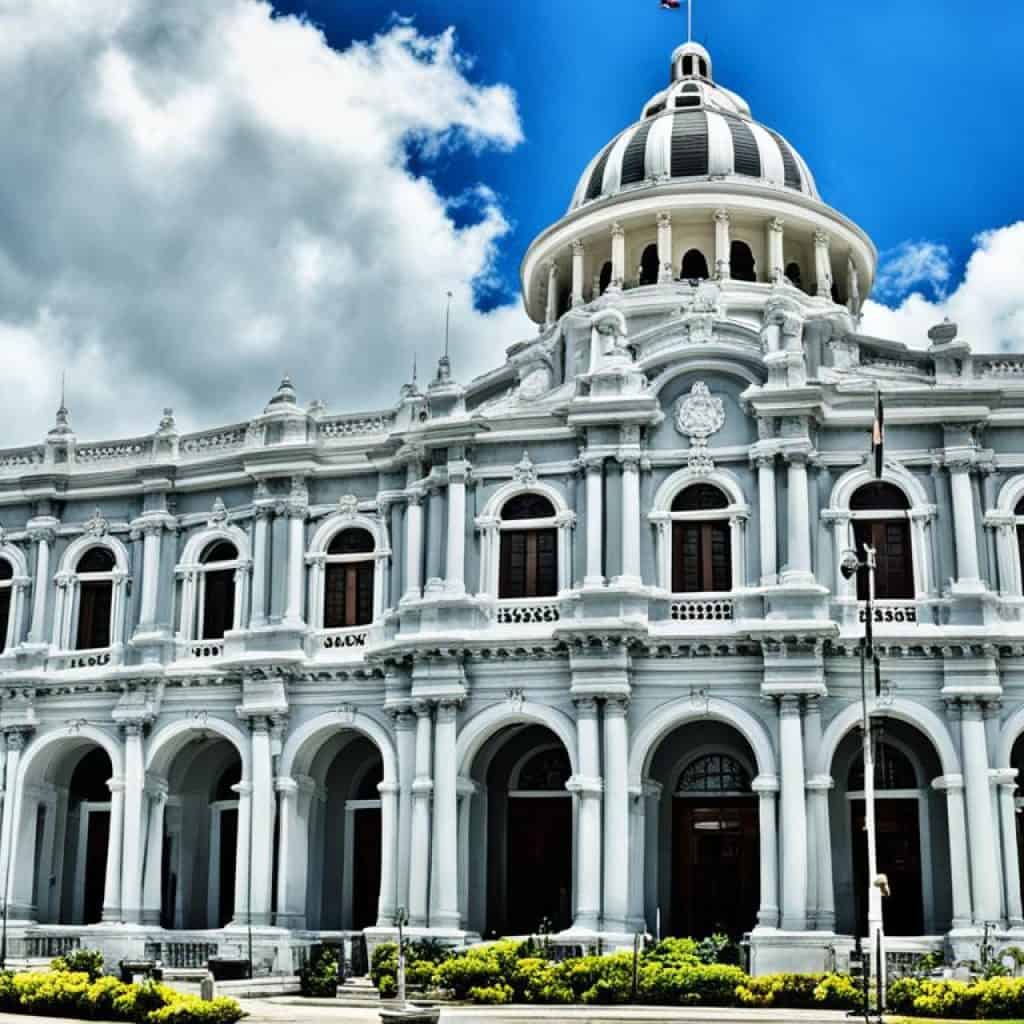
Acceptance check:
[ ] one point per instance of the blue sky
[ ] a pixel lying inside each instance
(905, 111)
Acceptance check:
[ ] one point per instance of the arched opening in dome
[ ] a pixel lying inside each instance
(793, 275)
(605, 278)
(6, 590)
(688, 65)
(741, 262)
(695, 266)
(649, 265)
(703, 65)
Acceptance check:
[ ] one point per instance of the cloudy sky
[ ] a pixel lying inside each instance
(200, 195)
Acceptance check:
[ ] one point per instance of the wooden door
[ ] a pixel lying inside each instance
(539, 863)
(366, 854)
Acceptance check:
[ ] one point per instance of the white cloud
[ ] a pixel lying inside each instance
(199, 196)
(988, 304)
(912, 264)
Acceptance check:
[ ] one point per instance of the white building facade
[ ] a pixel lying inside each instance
(565, 647)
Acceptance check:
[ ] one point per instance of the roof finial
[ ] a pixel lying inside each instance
(689, 21)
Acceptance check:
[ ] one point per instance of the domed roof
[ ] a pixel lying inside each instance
(694, 129)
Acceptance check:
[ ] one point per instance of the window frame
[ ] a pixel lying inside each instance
(17, 586)
(69, 583)
(191, 571)
(356, 560)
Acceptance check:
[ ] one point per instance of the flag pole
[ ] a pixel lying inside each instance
(689, 21)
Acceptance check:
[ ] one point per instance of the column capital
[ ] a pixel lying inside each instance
(447, 710)
(616, 706)
(17, 737)
(789, 705)
(765, 784)
(586, 707)
(721, 216)
(116, 785)
(592, 461)
(617, 231)
(584, 785)
(286, 786)
(422, 708)
(403, 718)
(664, 219)
(949, 783)
(1005, 777)
(243, 788)
(820, 783)
(776, 224)
(156, 787)
(577, 247)
(387, 787)
(820, 238)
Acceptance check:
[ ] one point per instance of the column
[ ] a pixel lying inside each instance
(588, 787)
(435, 538)
(258, 612)
(794, 816)
(958, 867)
(723, 245)
(776, 260)
(618, 257)
(767, 788)
(964, 528)
(666, 272)
(578, 252)
(798, 505)
(15, 743)
(387, 903)
(286, 914)
(1006, 780)
(44, 538)
(767, 519)
(419, 847)
(456, 581)
(152, 892)
(981, 828)
(151, 537)
(405, 741)
(637, 842)
(112, 881)
(134, 793)
(551, 315)
(262, 820)
(445, 849)
(467, 790)
(821, 850)
(616, 814)
(296, 563)
(413, 547)
(630, 462)
(242, 845)
(822, 265)
(594, 466)
(852, 287)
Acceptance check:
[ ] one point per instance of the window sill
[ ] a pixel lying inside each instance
(97, 657)
(717, 606)
(527, 611)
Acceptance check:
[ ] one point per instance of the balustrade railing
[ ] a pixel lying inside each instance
(1001, 368)
(334, 427)
(17, 460)
(114, 451)
(214, 442)
(46, 947)
(181, 955)
(200, 650)
(349, 638)
(528, 612)
(702, 609)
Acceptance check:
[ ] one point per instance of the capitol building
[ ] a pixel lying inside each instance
(565, 647)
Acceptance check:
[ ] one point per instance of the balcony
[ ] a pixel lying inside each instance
(702, 608)
(203, 650)
(535, 611)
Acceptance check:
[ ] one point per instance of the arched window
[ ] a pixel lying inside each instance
(606, 278)
(217, 593)
(703, 65)
(528, 564)
(793, 275)
(348, 579)
(649, 265)
(695, 266)
(95, 598)
(1019, 512)
(714, 773)
(6, 602)
(688, 65)
(544, 771)
(701, 550)
(741, 262)
(893, 770)
(879, 512)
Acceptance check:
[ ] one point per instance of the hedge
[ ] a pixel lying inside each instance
(87, 995)
(984, 999)
(675, 972)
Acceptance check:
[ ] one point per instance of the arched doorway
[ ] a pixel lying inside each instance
(344, 829)
(522, 816)
(61, 848)
(198, 876)
(703, 873)
(649, 265)
(912, 840)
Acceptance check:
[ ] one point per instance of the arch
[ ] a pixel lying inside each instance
(684, 366)
(683, 478)
(605, 279)
(678, 712)
(892, 473)
(650, 265)
(741, 261)
(339, 521)
(168, 742)
(80, 545)
(1010, 494)
(512, 489)
(17, 559)
(694, 266)
(199, 541)
(42, 745)
(486, 723)
(307, 739)
(1009, 733)
(914, 714)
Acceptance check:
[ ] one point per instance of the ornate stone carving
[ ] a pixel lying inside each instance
(348, 505)
(698, 416)
(535, 383)
(219, 513)
(96, 525)
(525, 472)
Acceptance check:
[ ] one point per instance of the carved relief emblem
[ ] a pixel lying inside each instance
(348, 505)
(699, 415)
(96, 525)
(219, 512)
(525, 471)
(535, 383)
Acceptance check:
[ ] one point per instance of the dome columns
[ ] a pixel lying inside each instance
(618, 257)
(665, 267)
(822, 265)
(723, 244)
(551, 314)
(776, 260)
(578, 252)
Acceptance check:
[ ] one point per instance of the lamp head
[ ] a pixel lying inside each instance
(849, 564)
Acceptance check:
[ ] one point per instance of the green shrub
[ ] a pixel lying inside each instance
(1000, 997)
(538, 980)
(718, 949)
(189, 1009)
(480, 967)
(697, 985)
(674, 952)
(491, 994)
(319, 976)
(387, 986)
(86, 961)
(837, 992)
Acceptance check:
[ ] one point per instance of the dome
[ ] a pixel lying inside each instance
(690, 131)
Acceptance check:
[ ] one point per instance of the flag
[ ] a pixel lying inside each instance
(670, 5)
(878, 435)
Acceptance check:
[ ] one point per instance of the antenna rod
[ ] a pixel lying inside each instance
(447, 323)
(689, 21)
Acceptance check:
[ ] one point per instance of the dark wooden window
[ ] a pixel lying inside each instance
(741, 262)
(547, 770)
(218, 590)
(605, 279)
(695, 266)
(348, 586)
(893, 770)
(1019, 511)
(528, 563)
(649, 265)
(95, 599)
(6, 575)
(714, 773)
(701, 550)
(890, 537)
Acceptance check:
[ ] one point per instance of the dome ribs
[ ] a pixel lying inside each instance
(633, 162)
(597, 175)
(794, 179)
(689, 144)
(748, 156)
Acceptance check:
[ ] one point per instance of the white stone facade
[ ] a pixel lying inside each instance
(567, 644)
